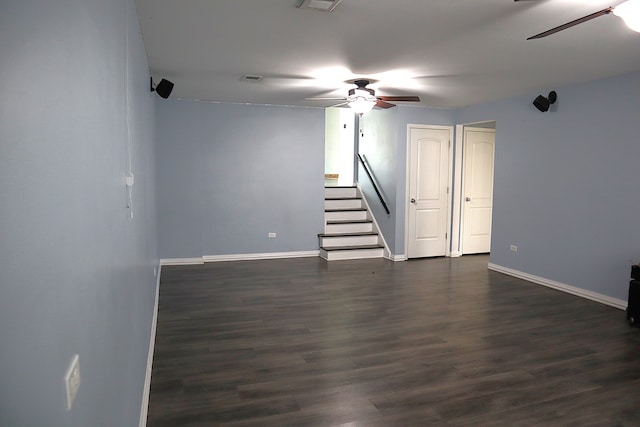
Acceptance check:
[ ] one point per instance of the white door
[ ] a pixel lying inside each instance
(477, 190)
(428, 185)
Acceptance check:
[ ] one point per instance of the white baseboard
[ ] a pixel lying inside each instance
(593, 296)
(250, 257)
(396, 258)
(455, 254)
(181, 261)
(144, 410)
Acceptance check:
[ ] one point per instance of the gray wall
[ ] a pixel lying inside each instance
(76, 273)
(566, 184)
(232, 173)
(378, 146)
(385, 147)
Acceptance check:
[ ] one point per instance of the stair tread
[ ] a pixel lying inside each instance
(343, 198)
(339, 186)
(354, 234)
(346, 210)
(351, 248)
(348, 221)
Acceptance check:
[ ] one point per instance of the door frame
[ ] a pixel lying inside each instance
(456, 216)
(450, 165)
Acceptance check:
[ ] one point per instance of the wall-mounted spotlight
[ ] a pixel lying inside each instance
(542, 103)
(163, 88)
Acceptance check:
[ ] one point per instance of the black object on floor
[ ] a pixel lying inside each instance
(633, 306)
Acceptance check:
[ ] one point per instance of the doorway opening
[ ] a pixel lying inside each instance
(339, 160)
(473, 188)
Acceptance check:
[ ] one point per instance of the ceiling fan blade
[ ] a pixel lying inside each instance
(382, 104)
(338, 105)
(400, 98)
(326, 99)
(572, 23)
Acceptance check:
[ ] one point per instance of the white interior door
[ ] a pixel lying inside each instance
(428, 187)
(477, 190)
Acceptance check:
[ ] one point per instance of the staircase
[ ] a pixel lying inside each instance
(349, 229)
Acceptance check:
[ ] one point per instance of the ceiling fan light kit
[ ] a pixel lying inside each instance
(629, 11)
(361, 106)
(362, 99)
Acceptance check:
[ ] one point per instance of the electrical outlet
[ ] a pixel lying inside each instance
(513, 248)
(272, 235)
(72, 380)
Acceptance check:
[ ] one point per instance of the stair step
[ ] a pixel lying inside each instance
(363, 233)
(349, 231)
(340, 192)
(343, 198)
(347, 240)
(352, 252)
(357, 226)
(345, 214)
(343, 203)
(353, 248)
(349, 221)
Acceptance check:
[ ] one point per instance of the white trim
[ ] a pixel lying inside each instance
(144, 410)
(396, 258)
(455, 254)
(456, 215)
(181, 261)
(593, 296)
(407, 196)
(249, 257)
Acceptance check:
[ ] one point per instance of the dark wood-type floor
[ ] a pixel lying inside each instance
(443, 342)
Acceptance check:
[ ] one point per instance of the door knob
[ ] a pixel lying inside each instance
(413, 201)
(468, 199)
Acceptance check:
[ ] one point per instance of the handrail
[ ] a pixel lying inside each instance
(373, 181)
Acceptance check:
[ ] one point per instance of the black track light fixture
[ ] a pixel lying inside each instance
(542, 103)
(163, 88)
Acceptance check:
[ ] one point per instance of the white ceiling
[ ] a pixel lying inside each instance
(451, 53)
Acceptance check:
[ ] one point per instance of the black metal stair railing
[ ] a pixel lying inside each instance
(367, 169)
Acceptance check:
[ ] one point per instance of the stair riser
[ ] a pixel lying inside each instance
(345, 215)
(348, 228)
(332, 192)
(343, 204)
(332, 242)
(351, 254)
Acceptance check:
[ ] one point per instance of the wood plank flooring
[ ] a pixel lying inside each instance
(433, 342)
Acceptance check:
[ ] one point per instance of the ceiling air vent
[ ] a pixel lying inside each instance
(252, 78)
(321, 5)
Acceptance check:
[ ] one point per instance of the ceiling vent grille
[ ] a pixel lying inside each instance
(252, 78)
(321, 5)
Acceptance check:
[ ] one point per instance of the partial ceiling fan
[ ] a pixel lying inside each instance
(362, 99)
(629, 11)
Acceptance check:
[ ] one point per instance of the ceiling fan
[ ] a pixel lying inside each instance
(362, 99)
(629, 11)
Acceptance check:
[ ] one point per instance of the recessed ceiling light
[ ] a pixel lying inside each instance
(321, 5)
